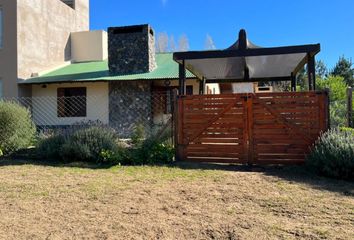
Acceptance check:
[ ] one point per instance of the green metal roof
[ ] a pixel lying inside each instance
(167, 68)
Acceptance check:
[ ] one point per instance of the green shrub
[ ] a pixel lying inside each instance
(348, 130)
(148, 153)
(16, 127)
(138, 135)
(333, 155)
(87, 144)
(51, 147)
(152, 152)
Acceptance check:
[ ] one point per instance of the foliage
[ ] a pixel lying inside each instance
(321, 69)
(338, 93)
(16, 127)
(138, 134)
(51, 147)
(336, 85)
(337, 112)
(344, 68)
(152, 152)
(333, 155)
(348, 130)
(87, 144)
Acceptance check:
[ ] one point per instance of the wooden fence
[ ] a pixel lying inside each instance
(264, 128)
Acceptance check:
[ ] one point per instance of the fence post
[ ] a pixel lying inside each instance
(350, 107)
(175, 122)
(328, 114)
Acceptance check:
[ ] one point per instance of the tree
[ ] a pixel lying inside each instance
(162, 42)
(344, 68)
(301, 79)
(321, 69)
(173, 47)
(209, 43)
(183, 43)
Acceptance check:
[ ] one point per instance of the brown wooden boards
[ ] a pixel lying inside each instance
(250, 128)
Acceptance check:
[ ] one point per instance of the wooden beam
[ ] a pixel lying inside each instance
(311, 49)
(202, 86)
(311, 72)
(182, 79)
(275, 79)
(293, 82)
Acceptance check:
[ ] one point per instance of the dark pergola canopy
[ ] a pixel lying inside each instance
(246, 62)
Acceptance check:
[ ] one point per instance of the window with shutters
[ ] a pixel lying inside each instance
(71, 102)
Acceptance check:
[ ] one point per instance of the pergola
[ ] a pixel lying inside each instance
(246, 62)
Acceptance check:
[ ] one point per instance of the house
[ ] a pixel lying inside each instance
(116, 77)
(34, 37)
(50, 59)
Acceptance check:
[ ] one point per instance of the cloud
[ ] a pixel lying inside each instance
(164, 2)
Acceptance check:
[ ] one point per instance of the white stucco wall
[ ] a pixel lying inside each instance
(44, 104)
(43, 33)
(89, 46)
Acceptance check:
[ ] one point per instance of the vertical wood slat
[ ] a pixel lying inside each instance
(246, 135)
(250, 130)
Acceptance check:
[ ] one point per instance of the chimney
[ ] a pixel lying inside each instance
(131, 49)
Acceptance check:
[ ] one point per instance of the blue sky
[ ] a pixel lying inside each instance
(268, 23)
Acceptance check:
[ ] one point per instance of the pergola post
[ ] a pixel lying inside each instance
(293, 82)
(311, 72)
(182, 78)
(202, 86)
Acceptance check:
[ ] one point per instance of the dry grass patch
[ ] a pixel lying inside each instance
(182, 202)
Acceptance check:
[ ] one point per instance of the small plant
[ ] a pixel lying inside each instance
(16, 127)
(333, 155)
(152, 152)
(138, 135)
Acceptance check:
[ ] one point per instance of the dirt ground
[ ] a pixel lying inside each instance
(181, 202)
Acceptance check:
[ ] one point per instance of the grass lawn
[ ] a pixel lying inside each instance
(181, 202)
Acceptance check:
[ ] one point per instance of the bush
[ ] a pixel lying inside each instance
(87, 144)
(16, 127)
(147, 153)
(100, 145)
(51, 147)
(333, 155)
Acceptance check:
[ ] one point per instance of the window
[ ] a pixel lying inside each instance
(1, 27)
(71, 102)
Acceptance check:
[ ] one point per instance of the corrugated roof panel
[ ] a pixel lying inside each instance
(167, 68)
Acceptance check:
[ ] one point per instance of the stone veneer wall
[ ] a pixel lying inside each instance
(130, 104)
(131, 49)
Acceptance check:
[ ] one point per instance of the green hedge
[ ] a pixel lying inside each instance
(16, 127)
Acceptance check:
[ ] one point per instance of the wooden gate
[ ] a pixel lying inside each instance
(264, 128)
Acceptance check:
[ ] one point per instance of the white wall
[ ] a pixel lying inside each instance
(44, 104)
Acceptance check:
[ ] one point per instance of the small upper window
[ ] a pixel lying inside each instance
(1, 27)
(70, 3)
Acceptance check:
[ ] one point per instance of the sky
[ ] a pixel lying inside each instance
(268, 23)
